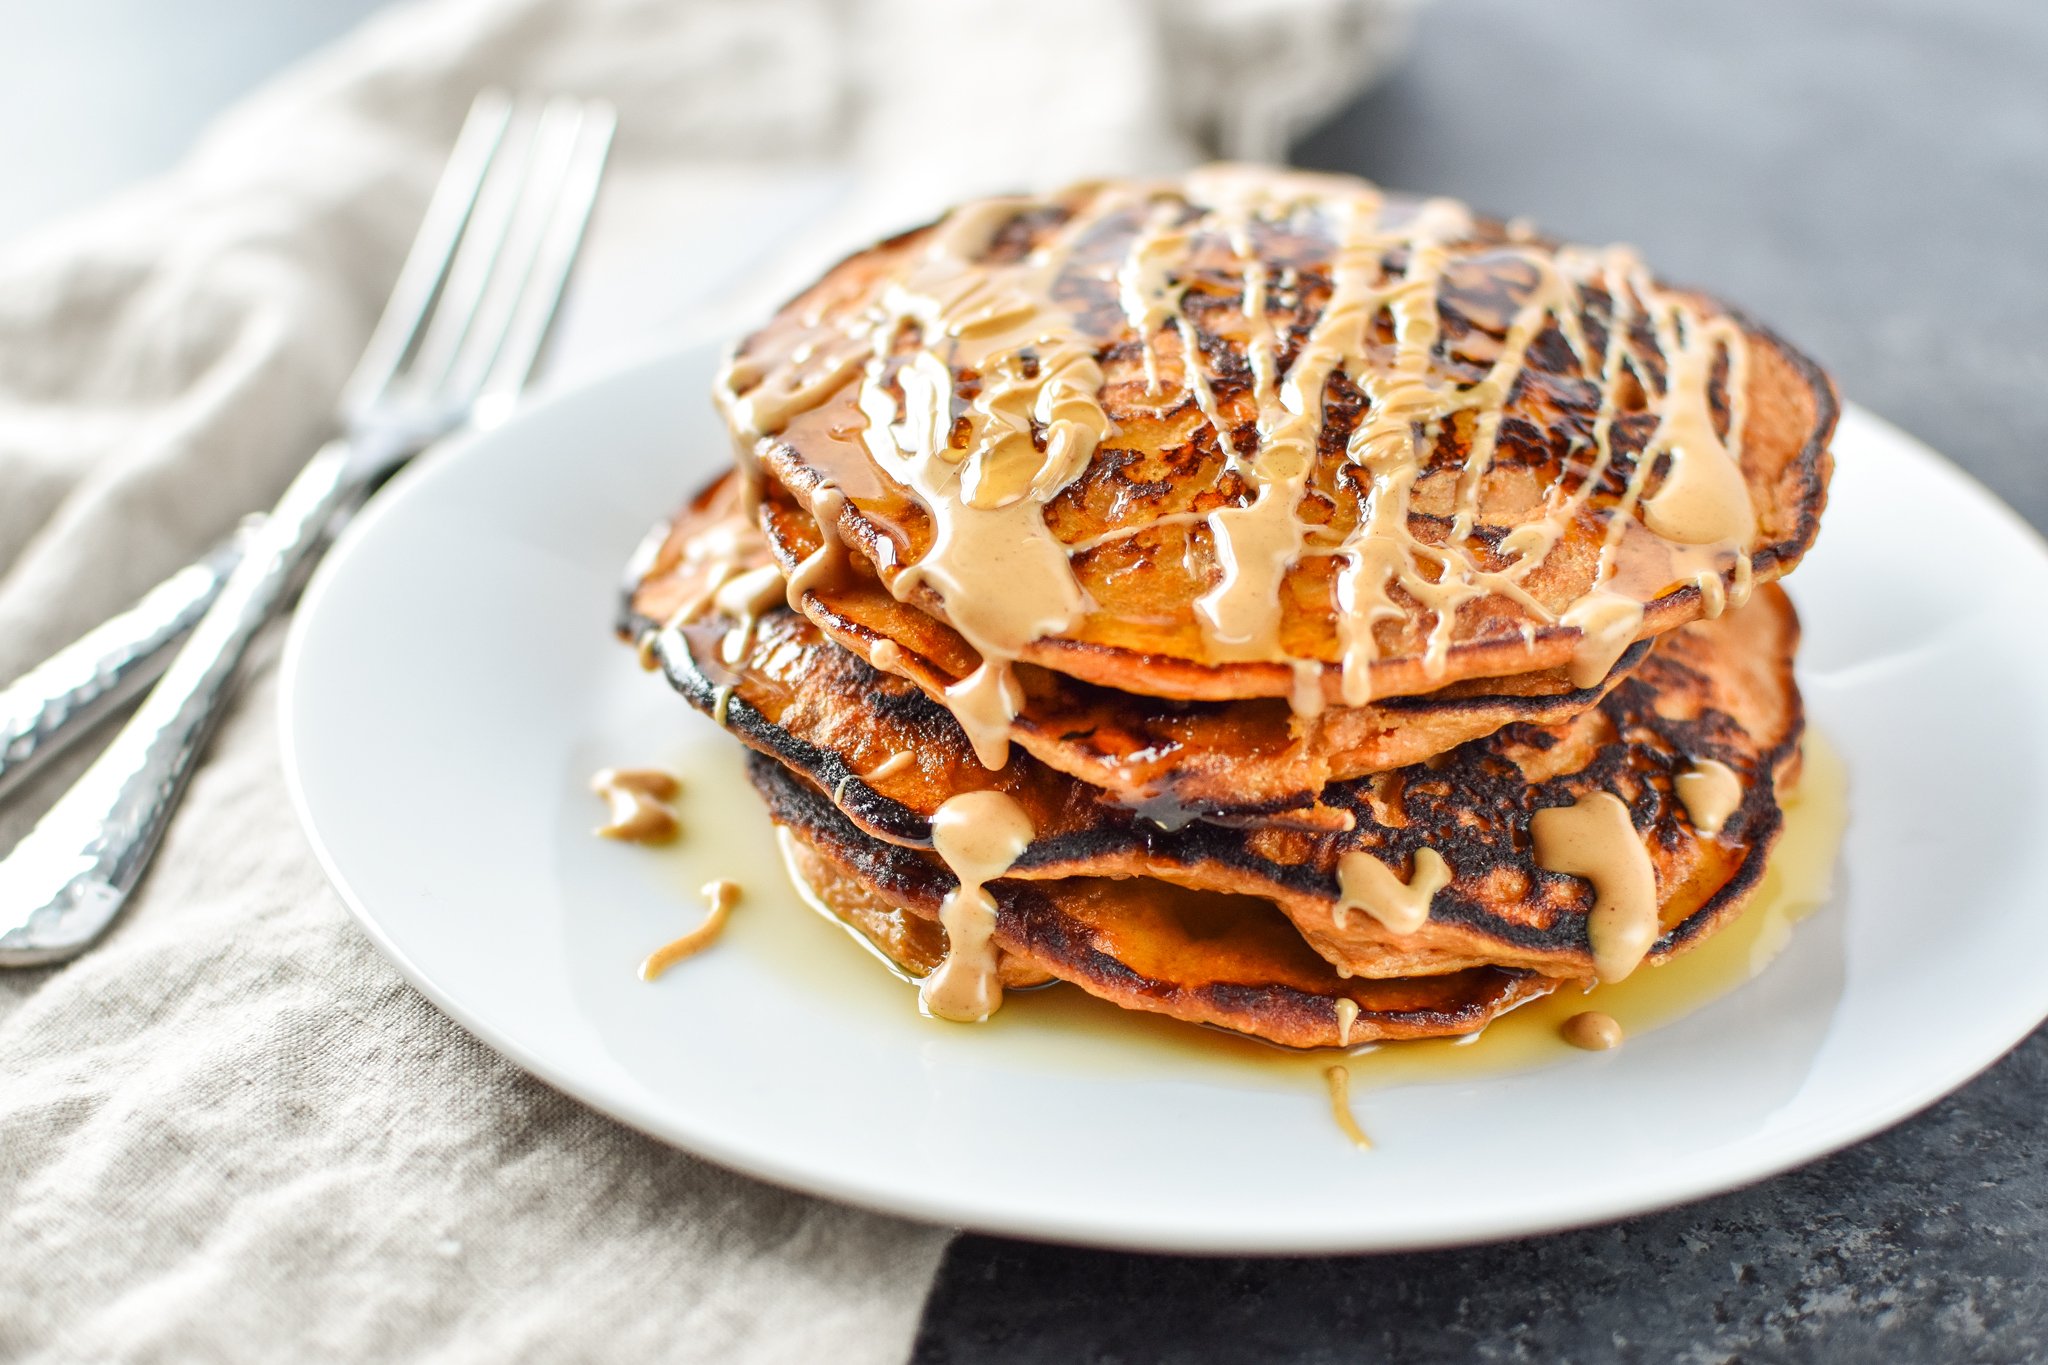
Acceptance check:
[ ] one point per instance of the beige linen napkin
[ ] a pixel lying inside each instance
(231, 1131)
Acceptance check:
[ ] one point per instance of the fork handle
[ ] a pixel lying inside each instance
(66, 882)
(62, 698)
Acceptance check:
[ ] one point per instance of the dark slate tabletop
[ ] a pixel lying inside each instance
(1872, 177)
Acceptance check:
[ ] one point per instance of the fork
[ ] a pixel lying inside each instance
(455, 344)
(66, 696)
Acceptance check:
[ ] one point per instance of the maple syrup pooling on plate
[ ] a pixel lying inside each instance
(978, 394)
(1062, 1028)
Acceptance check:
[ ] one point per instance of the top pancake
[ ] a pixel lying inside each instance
(1411, 443)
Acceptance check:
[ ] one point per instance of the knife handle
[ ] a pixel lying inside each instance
(61, 699)
(65, 883)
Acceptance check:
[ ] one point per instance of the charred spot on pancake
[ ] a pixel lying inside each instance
(1015, 239)
(1551, 354)
(1115, 486)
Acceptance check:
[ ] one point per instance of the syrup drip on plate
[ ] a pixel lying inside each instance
(1063, 1028)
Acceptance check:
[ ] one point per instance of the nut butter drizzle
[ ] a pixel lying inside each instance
(1702, 511)
(1347, 1017)
(982, 397)
(977, 835)
(1365, 883)
(719, 898)
(639, 803)
(1257, 542)
(736, 578)
(889, 767)
(1004, 578)
(1338, 1080)
(1594, 838)
(826, 564)
(1592, 1031)
(1710, 792)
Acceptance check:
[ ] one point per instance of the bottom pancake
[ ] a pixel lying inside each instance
(1234, 962)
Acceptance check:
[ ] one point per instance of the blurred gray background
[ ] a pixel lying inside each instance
(1871, 177)
(97, 93)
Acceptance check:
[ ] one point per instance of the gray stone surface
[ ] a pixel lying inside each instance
(1924, 1245)
(1871, 176)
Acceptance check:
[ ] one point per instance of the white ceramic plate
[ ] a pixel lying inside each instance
(452, 681)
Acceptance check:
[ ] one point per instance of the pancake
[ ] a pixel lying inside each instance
(1230, 961)
(1413, 447)
(1171, 761)
(1711, 696)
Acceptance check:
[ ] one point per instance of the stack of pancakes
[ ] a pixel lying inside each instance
(1255, 598)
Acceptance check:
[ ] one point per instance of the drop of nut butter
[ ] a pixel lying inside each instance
(1592, 1030)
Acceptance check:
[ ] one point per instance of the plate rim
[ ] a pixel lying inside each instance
(1630, 1199)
